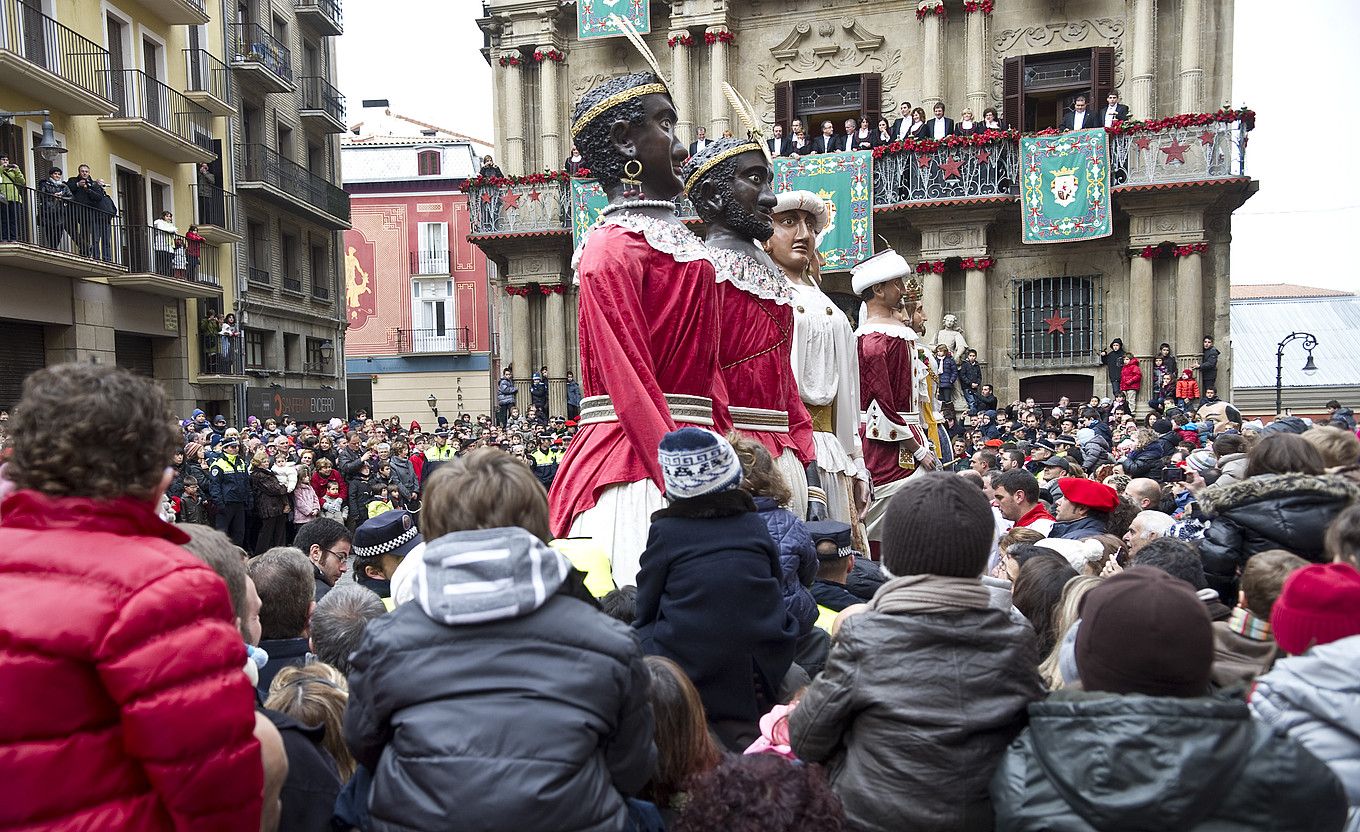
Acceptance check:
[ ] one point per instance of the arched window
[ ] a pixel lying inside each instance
(427, 163)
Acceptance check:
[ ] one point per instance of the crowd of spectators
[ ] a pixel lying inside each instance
(1076, 649)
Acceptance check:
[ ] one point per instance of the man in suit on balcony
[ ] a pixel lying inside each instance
(828, 142)
(940, 126)
(779, 145)
(1079, 118)
(902, 126)
(1114, 111)
(700, 141)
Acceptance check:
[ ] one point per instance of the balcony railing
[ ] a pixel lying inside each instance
(259, 278)
(59, 224)
(435, 340)
(320, 291)
(292, 284)
(330, 9)
(429, 262)
(215, 206)
(261, 164)
(42, 41)
(139, 96)
(318, 94)
(153, 251)
(903, 180)
(219, 356)
(255, 44)
(207, 74)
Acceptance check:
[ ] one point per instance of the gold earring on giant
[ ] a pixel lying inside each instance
(632, 176)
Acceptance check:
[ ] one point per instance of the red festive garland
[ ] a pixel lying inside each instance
(711, 38)
(984, 6)
(1226, 115)
(544, 178)
(966, 264)
(551, 55)
(930, 267)
(931, 145)
(517, 291)
(528, 289)
(1167, 250)
(922, 12)
(980, 264)
(510, 60)
(682, 40)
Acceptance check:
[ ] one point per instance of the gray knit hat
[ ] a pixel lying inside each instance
(938, 524)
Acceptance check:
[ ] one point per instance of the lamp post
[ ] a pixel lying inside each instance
(47, 148)
(434, 405)
(1310, 343)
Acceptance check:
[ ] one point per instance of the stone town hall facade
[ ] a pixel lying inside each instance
(832, 59)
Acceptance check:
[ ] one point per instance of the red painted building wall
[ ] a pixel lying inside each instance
(377, 270)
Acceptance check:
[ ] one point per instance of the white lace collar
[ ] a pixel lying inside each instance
(750, 275)
(667, 237)
(904, 332)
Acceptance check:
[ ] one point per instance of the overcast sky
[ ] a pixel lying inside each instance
(1293, 64)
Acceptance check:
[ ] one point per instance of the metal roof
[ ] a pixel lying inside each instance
(1258, 325)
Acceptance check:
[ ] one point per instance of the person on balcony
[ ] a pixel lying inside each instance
(700, 141)
(1114, 111)
(86, 195)
(207, 196)
(1078, 119)
(102, 218)
(884, 134)
(163, 236)
(828, 141)
(506, 393)
(940, 126)
(902, 127)
(193, 249)
(229, 334)
(779, 145)
(918, 129)
(12, 196)
(991, 120)
(799, 143)
(55, 196)
(966, 126)
(575, 163)
(538, 393)
(863, 137)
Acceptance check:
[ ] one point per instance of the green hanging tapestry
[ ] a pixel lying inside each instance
(1065, 186)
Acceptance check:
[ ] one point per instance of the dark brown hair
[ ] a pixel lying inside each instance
(762, 793)
(1284, 453)
(91, 430)
(486, 489)
(759, 476)
(684, 748)
(1342, 541)
(1037, 591)
(284, 580)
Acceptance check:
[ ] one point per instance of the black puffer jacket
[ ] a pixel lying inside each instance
(509, 704)
(1100, 761)
(1149, 460)
(1281, 511)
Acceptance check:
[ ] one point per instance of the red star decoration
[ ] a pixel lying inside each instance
(1057, 323)
(1206, 138)
(534, 195)
(983, 155)
(923, 160)
(486, 197)
(511, 200)
(1175, 151)
(951, 168)
(1143, 142)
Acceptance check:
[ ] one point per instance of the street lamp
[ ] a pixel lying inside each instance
(48, 149)
(1310, 343)
(434, 405)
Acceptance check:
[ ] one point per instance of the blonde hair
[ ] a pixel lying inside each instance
(1064, 616)
(759, 476)
(315, 694)
(1339, 448)
(260, 459)
(486, 489)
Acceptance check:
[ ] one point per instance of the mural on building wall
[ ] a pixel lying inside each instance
(360, 302)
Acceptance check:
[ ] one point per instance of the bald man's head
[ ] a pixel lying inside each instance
(1145, 493)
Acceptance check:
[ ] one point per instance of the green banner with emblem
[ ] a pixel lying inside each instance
(592, 17)
(588, 201)
(1065, 186)
(846, 182)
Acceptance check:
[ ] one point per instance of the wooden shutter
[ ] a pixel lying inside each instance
(1012, 93)
(871, 96)
(1102, 76)
(783, 104)
(23, 347)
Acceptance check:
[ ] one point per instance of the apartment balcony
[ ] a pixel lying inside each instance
(175, 12)
(539, 209)
(43, 60)
(434, 340)
(209, 82)
(216, 214)
(261, 58)
(267, 174)
(165, 264)
(322, 15)
(321, 105)
(258, 279)
(1179, 155)
(292, 284)
(158, 118)
(430, 263)
(48, 235)
(219, 366)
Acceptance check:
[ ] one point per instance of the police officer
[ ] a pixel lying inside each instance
(229, 490)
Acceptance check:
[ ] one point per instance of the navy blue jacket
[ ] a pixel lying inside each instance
(229, 482)
(797, 560)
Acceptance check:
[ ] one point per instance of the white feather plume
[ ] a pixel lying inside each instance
(748, 117)
(634, 37)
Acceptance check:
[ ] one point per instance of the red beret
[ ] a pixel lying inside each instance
(992, 443)
(1084, 492)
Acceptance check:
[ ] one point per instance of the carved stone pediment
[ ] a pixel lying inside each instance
(1057, 37)
(821, 48)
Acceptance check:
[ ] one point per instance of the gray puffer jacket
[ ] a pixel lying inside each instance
(912, 713)
(1315, 698)
(497, 701)
(1102, 761)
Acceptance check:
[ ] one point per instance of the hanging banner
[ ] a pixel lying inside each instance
(588, 201)
(845, 181)
(592, 17)
(1065, 187)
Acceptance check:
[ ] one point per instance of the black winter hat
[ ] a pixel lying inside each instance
(938, 524)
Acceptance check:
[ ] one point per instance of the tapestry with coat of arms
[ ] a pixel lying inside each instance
(1065, 187)
(593, 17)
(845, 180)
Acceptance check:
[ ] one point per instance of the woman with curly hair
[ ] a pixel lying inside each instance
(762, 793)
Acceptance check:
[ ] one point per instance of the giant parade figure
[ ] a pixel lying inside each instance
(825, 361)
(897, 440)
(729, 184)
(648, 321)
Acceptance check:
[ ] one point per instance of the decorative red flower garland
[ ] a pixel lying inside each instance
(931, 145)
(1169, 250)
(922, 12)
(964, 263)
(930, 267)
(980, 264)
(1246, 115)
(682, 40)
(528, 289)
(984, 6)
(544, 178)
(721, 37)
(551, 55)
(509, 60)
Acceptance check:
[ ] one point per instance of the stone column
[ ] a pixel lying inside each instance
(720, 119)
(932, 58)
(1140, 306)
(977, 52)
(933, 298)
(1189, 302)
(550, 116)
(513, 115)
(520, 352)
(680, 92)
(1192, 69)
(975, 318)
(555, 351)
(1143, 60)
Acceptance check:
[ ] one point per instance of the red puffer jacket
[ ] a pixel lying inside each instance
(122, 700)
